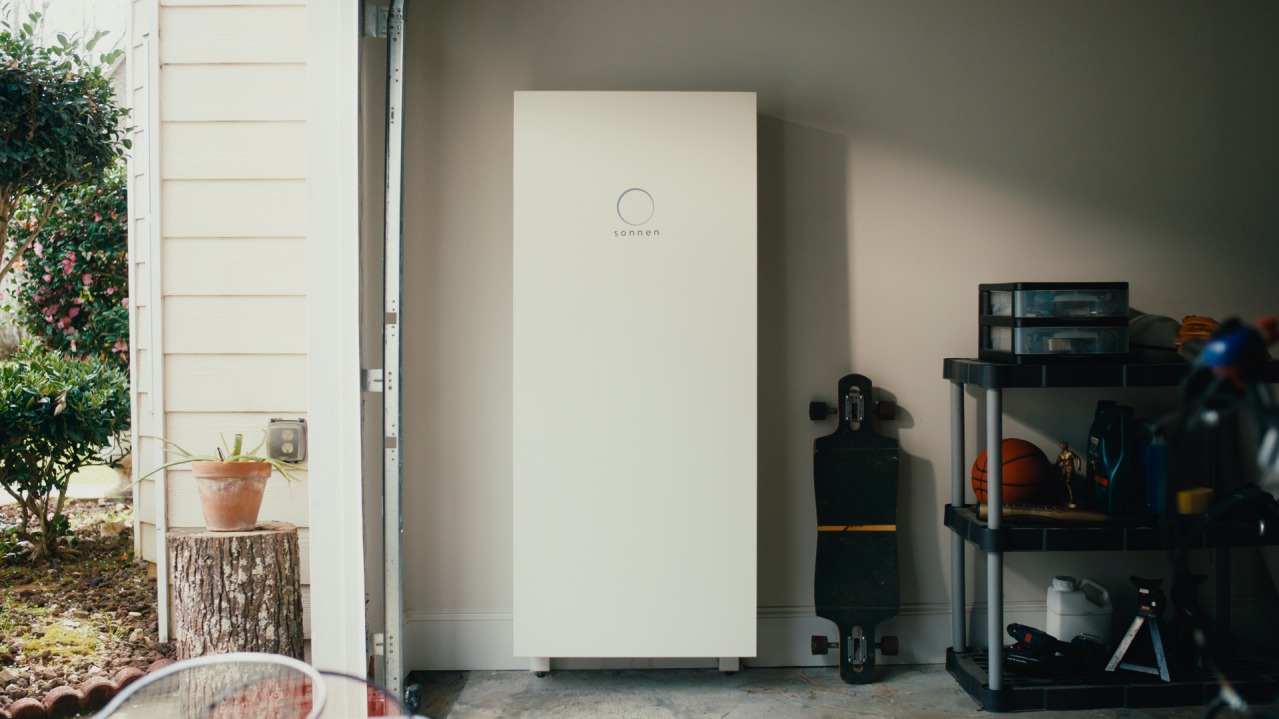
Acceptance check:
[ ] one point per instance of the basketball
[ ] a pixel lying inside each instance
(1027, 473)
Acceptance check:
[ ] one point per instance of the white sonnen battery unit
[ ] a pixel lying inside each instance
(634, 374)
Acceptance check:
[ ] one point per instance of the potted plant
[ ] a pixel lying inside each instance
(230, 483)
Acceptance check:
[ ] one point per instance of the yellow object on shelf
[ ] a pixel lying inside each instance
(1194, 501)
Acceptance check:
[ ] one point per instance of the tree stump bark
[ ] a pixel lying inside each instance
(237, 591)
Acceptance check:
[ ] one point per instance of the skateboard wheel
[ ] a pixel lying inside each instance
(540, 675)
(888, 646)
(821, 645)
(886, 410)
(818, 411)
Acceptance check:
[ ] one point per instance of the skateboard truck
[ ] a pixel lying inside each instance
(854, 408)
(859, 647)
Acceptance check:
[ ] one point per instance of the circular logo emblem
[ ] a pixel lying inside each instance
(635, 206)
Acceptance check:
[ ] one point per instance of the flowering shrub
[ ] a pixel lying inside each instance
(73, 292)
(59, 125)
(56, 413)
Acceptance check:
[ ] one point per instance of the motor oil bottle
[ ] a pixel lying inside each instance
(1114, 467)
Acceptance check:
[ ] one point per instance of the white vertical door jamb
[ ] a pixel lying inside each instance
(392, 477)
(134, 289)
(155, 326)
(333, 336)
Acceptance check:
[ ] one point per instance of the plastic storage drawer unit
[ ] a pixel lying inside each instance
(1017, 341)
(1066, 300)
(1053, 322)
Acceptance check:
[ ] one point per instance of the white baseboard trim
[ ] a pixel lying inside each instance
(483, 640)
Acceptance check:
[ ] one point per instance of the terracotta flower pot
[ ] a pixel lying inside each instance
(231, 493)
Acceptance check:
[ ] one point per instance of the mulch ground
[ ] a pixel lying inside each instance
(73, 630)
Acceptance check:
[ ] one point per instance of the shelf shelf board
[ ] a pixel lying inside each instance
(999, 375)
(1023, 535)
(1257, 680)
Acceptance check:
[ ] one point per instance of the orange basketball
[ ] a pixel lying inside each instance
(1027, 473)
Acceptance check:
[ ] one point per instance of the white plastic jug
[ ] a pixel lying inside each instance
(1078, 606)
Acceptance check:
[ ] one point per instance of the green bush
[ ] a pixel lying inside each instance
(56, 414)
(59, 125)
(72, 294)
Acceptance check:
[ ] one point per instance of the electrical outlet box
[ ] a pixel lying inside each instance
(286, 440)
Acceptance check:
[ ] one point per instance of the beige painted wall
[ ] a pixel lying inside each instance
(908, 151)
(222, 336)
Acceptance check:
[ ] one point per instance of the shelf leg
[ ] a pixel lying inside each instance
(958, 629)
(995, 560)
(1224, 597)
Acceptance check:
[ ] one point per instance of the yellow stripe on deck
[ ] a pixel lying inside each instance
(858, 528)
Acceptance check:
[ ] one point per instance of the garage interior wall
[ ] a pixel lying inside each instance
(908, 151)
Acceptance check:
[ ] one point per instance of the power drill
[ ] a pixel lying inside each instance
(1038, 653)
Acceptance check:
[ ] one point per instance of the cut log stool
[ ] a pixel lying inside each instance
(237, 591)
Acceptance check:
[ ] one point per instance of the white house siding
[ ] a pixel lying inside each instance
(220, 332)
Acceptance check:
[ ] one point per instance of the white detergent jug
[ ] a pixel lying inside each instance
(1078, 606)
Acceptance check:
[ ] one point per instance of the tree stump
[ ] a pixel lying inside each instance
(237, 591)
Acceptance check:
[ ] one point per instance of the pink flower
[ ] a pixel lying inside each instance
(110, 291)
(120, 346)
(124, 302)
(48, 277)
(97, 217)
(73, 349)
(73, 312)
(38, 249)
(87, 279)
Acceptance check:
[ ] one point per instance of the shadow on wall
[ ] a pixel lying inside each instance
(804, 334)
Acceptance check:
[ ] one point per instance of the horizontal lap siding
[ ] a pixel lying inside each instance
(227, 209)
(252, 266)
(228, 3)
(235, 383)
(241, 325)
(231, 208)
(235, 150)
(233, 93)
(218, 35)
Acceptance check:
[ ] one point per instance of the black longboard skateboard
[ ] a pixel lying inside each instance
(857, 584)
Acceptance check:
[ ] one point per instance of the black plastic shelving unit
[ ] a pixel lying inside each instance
(976, 671)
(1255, 680)
(1031, 535)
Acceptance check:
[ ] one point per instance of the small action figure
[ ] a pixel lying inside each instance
(1068, 463)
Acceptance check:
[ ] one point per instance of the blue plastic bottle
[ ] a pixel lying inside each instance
(1114, 469)
(1154, 461)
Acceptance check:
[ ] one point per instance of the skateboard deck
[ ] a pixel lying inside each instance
(857, 583)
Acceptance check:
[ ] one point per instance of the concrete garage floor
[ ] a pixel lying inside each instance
(813, 693)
